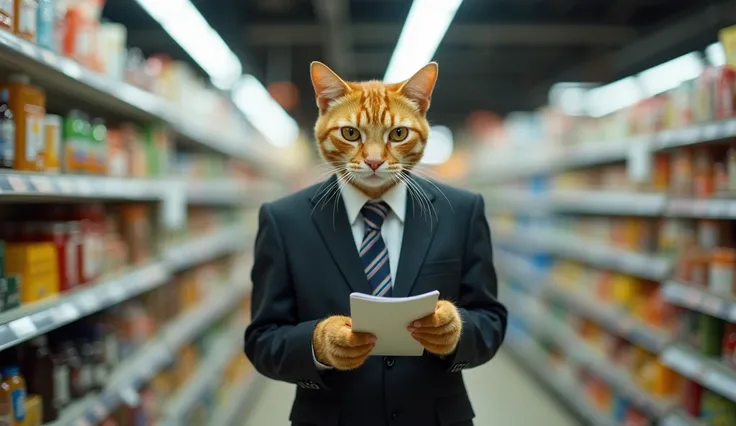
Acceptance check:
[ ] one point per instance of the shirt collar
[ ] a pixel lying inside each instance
(354, 200)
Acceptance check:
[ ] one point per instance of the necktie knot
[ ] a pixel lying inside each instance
(374, 213)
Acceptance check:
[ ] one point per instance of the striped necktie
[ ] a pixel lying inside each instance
(373, 251)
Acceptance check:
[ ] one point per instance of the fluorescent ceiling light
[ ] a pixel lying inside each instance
(612, 97)
(716, 54)
(439, 146)
(184, 23)
(423, 31)
(264, 113)
(671, 74)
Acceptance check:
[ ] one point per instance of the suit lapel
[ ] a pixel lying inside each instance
(419, 227)
(332, 221)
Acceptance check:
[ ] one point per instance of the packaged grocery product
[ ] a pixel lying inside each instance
(46, 22)
(7, 13)
(729, 345)
(725, 97)
(76, 139)
(710, 330)
(39, 366)
(28, 104)
(25, 23)
(52, 143)
(36, 266)
(17, 385)
(34, 411)
(6, 404)
(716, 409)
(10, 292)
(722, 277)
(117, 154)
(111, 49)
(98, 147)
(692, 395)
(7, 131)
(703, 173)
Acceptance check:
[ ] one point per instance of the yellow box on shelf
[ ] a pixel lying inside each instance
(36, 266)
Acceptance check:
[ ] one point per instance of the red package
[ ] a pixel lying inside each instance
(692, 395)
(729, 345)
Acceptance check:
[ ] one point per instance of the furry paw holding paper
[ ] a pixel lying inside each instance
(338, 344)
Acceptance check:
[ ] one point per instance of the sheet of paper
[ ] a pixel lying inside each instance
(388, 317)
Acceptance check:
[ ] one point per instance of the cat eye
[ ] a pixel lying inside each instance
(398, 134)
(350, 134)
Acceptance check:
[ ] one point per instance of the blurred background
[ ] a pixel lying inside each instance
(139, 137)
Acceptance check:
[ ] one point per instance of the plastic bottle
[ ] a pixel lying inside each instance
(76, 132)
(6, 405)
(28, 104)
(45, 21)
(7, 131)
(17, 384)
(52, 143)
(98, 147)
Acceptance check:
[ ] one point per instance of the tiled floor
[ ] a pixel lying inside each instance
(502, 395)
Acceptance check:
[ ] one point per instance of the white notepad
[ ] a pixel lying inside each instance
(388, 317)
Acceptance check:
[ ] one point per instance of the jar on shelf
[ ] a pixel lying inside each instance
(722, 271)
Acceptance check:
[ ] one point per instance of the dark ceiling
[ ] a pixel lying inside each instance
(499, 55)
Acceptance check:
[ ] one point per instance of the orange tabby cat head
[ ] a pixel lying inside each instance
(372, 132)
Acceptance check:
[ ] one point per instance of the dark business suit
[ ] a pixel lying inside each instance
(306, 266)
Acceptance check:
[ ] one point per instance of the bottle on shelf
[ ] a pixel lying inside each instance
(28, 104)
(45, 22)
(17, 385)
(6, 404)
(40, 370)
(7, 131)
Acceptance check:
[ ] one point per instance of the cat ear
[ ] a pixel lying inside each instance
(420, 86)
(328, 86)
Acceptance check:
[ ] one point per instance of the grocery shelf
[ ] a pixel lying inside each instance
(679, 419)
(531, 356)
(217, 192)
(575, 349)
(699, 299)
(596, 153)
(211, 246)
(510, 200)
(138, 369)
(608, 202)
(208, 376)
(28, 321)
(64, 75)
(653, 267)
(237, 401)
(710, 373)
(690, 135)
(615, 320)
(714, 208)
(524, 273)
(22, 186)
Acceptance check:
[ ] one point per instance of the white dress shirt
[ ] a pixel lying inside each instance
(392, 229)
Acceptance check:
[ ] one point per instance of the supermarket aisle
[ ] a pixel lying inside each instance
(502, 395)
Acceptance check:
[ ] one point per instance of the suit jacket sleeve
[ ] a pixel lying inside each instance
(278, 345)
(484, 317)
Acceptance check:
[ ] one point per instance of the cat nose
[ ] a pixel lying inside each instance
(374, 164)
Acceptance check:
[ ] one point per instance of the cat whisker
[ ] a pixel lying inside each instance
(426, 179)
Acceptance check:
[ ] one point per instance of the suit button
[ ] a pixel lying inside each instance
(389, 361)
(394, 416)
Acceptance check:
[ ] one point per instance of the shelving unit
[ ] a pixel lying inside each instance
(200, 219)
(596, 241)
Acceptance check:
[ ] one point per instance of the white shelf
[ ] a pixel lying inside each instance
(35, 319)
(134, 372)
(510, 200)
(608, 202)
(23, 185)
(202, 249)
(714, 208)
(708, 372)
(208, 376)
(533, 358)
(506, 165)
(576, 350)
(653, 267)
(31, 320)
(699, 299)
(62, 74)
(616, 321)
(679, 419)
